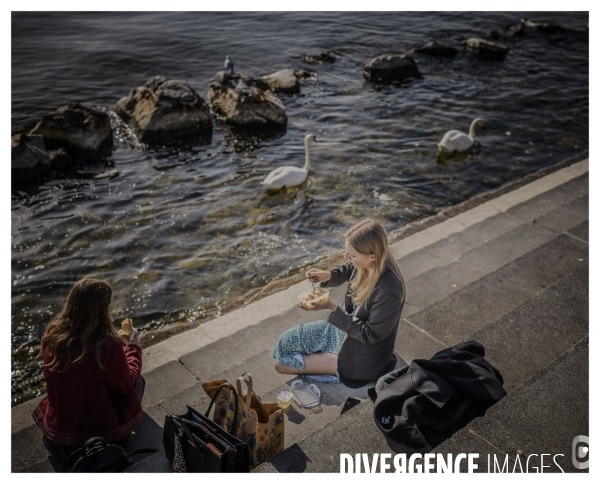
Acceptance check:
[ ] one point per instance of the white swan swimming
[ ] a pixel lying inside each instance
(291, 176)
(455, 140)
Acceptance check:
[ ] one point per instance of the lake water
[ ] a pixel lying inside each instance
(177, 230)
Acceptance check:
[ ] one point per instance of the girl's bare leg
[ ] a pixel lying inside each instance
(316, 364)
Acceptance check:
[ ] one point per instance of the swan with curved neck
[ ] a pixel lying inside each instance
(455, 140)
(291, 176)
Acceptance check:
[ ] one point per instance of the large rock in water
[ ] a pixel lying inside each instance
(163, 109)
(485, 49)
(82, 130)
(435, 49)
(391, 67)
(283, 81)
(28, 157)
(246, 101)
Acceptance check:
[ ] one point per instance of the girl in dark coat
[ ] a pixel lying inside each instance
(356, 342)
(93, 377)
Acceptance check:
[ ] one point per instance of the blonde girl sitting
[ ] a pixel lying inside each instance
(355, 344)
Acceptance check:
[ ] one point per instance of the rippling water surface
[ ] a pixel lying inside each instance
(181, 228)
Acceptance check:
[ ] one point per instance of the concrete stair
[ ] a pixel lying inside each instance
(510, 274)
(530, 313)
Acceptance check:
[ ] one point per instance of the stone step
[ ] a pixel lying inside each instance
(542, 416)
(525, 340)
(521, 344)
(473, 307)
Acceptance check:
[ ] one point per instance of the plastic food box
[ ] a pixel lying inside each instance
(307, 395)
(318, 295)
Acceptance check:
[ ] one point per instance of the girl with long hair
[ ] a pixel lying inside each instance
(355, 344)
(93, 377)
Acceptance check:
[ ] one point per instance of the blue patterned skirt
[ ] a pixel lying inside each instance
(306, 339)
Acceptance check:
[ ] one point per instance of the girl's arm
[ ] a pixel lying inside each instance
(124, 368)
(339, 275)
(385, 313)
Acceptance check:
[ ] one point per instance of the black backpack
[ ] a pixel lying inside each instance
(97, 455)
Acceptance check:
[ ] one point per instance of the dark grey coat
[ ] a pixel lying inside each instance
(371, 332)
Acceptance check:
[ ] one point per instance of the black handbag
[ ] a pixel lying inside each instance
(96, 455)
(204, 445)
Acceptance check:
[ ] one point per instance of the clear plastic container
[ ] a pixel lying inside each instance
(284, 399)
(307, 395)
(318, 295)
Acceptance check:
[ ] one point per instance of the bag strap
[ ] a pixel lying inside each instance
(93, 442)
(246, 378)
(235, 400)
(73, 457)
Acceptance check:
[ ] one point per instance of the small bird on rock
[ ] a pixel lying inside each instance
(228, 65)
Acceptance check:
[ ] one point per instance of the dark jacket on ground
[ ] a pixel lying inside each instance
(367, 351)
(86, 401)
(424, 404)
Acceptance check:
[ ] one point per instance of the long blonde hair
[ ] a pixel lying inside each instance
(81, 326)
(369, 237)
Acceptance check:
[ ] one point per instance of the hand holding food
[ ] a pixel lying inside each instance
(317, 275)
(308, 299)
(126, 329)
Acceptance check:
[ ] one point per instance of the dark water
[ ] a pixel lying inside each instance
(178, 229)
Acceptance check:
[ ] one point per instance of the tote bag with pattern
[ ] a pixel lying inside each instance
(260, 425)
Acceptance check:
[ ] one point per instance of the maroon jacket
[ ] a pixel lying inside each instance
(86, 401)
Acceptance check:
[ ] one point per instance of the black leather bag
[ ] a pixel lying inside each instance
(96, 455)
(205, 445)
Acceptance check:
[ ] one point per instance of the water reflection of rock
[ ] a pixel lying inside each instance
(246, 140)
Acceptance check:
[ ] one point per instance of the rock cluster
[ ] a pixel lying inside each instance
(243, 100)
(163, 109)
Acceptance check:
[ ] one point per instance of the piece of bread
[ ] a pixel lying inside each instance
(126, 328)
